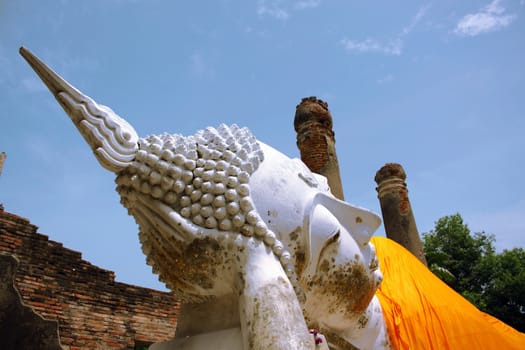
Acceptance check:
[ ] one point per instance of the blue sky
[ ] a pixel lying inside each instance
(436, 86)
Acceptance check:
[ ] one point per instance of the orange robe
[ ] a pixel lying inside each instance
(422, 312)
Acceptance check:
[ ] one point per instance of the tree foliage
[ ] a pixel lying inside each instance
(468, 263)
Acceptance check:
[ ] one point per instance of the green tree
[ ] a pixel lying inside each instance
(505, 294)
(456, 256)
(469, 264)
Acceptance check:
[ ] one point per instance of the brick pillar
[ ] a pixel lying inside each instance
(316, 141)
(398, 218)
(2, 160)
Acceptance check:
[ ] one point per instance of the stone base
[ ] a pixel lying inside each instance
(227, 339)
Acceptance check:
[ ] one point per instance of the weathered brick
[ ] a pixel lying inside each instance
(316, 141)
(93, 310)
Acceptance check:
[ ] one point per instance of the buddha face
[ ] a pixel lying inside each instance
(341, 274)
(329, 239)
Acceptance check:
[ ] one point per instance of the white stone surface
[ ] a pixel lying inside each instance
(229, 339)
(224, 217)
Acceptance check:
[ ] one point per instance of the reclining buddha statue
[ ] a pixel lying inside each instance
(259, 251)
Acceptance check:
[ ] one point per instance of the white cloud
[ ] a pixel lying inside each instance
(304, 4)
(415, 20)
(272, 8)
(281, 9)
(390, 47)
(393, 47)
(491, 17)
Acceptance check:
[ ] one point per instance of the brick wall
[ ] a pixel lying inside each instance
(93, 311)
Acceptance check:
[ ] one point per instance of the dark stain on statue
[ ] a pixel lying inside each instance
(350, 285)
(363, 320)
(196, 265)
(296, 248)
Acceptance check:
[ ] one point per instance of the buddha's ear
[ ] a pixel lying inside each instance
(359, 222)
(322, 227)
(325, 217)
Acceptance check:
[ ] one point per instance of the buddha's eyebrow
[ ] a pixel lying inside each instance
(308, 179)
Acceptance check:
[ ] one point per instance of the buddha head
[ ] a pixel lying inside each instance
(200, 200)
(222, 184)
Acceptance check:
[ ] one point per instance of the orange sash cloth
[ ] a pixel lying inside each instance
(422, 312)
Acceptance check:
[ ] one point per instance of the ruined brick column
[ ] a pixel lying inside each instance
(398, 218)
(316, 141)
(2, 160)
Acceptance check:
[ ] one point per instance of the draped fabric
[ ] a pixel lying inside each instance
(422, 312)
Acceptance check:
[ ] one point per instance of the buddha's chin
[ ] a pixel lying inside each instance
(377, 277)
